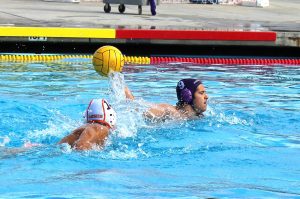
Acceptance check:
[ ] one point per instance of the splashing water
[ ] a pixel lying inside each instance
(129, 113)
(117, 86)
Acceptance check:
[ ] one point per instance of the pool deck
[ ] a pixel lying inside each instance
(276, 25)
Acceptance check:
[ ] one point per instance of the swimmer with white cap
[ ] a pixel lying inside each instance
(192, 102)
(100, 119)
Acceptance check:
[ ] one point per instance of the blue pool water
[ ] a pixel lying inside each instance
(247, 145)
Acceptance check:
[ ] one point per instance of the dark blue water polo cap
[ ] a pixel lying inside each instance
(185, 90)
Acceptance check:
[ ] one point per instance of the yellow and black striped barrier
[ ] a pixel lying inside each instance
(69, 58)
(148, 60)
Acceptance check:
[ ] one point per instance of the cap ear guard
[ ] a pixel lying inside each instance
(109, 114)
(185, 90)
(186, 96)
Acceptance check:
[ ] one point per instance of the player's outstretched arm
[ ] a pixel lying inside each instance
(128, 94)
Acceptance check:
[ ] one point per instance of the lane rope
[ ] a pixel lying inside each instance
(151, 60)
(227, 61)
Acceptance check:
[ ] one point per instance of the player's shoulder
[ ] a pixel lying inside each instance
(170, 110)
(166, 106)
(96, 127)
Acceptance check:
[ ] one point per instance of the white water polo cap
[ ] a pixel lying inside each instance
(100, 111)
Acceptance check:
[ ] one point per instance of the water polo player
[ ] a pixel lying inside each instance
(192, 102)
(100, 118)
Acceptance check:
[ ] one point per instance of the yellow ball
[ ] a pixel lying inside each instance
(108, 59)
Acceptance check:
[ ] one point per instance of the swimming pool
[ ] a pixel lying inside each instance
(247, 145)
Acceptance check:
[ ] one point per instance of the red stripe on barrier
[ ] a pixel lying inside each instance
(225, 61)
(195, 35)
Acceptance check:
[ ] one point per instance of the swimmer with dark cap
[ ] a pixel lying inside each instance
(100, 118)
(192, 102)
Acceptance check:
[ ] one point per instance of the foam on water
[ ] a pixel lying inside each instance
(56, 126)
(4, 140)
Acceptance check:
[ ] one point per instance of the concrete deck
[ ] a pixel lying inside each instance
(282, 17)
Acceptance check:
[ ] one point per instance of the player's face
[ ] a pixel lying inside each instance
(200, 99)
